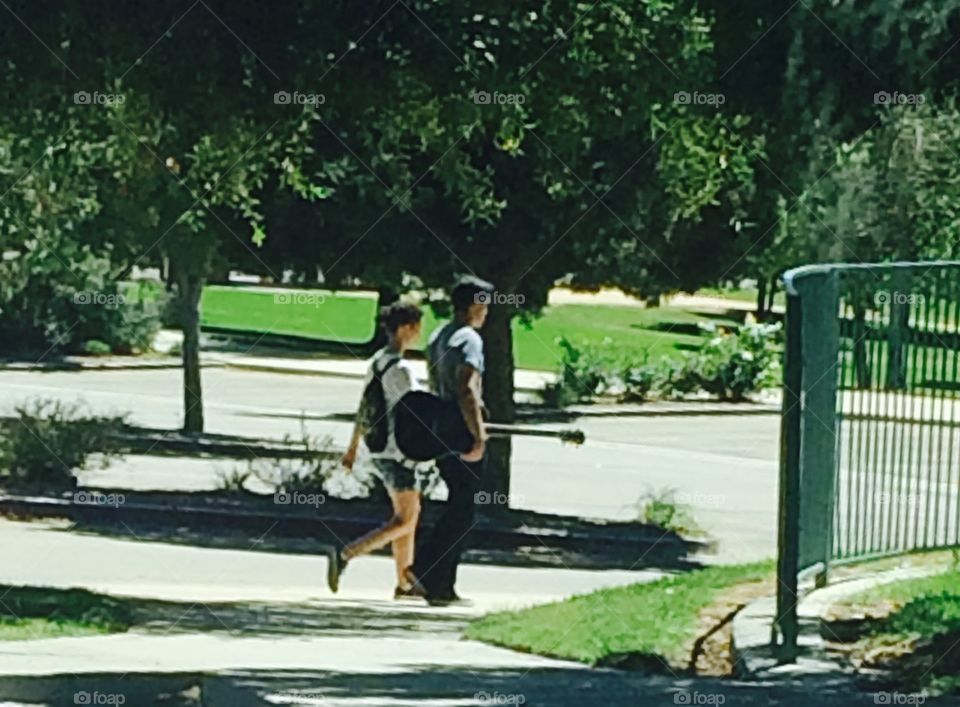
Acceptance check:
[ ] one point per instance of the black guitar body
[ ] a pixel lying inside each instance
(427, 427)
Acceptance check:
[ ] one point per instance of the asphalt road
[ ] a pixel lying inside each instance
(724, 467)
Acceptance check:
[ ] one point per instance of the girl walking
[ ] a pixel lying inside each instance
(395, 379)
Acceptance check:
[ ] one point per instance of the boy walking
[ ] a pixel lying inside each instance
(456, 365)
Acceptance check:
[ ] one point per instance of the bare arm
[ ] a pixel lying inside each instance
(350, 456)
(471, 407)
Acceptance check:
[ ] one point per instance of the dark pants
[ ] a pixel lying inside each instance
(439, 554)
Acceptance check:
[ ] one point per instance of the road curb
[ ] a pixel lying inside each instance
(74, 365)
(239, 364)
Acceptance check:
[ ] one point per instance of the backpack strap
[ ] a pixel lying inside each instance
(383, 371)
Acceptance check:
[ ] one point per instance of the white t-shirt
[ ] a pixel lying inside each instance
(397, 382)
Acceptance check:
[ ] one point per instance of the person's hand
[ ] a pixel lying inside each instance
(349, 458)
(475, 454)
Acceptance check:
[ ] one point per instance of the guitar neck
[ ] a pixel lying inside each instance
(495, 429)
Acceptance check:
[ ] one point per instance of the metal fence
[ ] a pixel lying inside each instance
(870, 441)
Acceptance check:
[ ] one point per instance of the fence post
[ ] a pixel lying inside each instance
(789, 537)
(818, 436)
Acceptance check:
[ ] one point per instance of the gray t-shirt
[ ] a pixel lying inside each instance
(451, 346)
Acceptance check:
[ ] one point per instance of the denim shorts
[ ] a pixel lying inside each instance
(396, 476)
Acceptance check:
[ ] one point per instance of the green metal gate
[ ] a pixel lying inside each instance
(870, 440)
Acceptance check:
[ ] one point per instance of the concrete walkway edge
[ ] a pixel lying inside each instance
(753, 626)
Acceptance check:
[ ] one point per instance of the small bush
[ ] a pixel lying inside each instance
(95, 347)
(677, 377)
(732, 366)
(662, 509)
(48, 440)
(584, 375)
(640, 382)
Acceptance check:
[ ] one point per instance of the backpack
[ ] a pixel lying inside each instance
(373, 410)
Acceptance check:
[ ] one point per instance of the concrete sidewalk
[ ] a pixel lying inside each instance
(242, 628)
(233, 609)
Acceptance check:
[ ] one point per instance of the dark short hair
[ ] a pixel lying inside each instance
(395, 315)
(465, 291)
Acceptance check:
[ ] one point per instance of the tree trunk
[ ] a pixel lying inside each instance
(897, 338)
(772, 293)
(861, 358)
(498, 396)
(761, 298)
(191, 289)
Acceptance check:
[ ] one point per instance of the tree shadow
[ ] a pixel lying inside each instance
(241, 520)
(434, 686)
(583, 555)
(331, 618)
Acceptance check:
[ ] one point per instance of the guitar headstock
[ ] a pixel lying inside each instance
(575, 437)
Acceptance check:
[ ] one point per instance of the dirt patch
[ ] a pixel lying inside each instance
(712, 653)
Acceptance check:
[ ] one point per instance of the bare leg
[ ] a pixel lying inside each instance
(406, 504)
(406, 510)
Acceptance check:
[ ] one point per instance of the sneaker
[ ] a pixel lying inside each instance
(415, 585)
(335, 567)
(401, 594)
(447, 599)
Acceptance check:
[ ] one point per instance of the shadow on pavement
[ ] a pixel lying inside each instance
(532, 554)
(331, 618)
(427, 686)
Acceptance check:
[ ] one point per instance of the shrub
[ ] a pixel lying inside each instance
(734, 365)
(584, 375)
(57, 303)
(677, 377)
(48, 440)
(730, 366)
(639, 382)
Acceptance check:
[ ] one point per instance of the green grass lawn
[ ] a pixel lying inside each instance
(628, 331)
(902, 592)
(925, 610)
(652, 619)
(42, 612)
